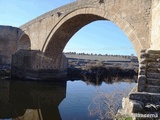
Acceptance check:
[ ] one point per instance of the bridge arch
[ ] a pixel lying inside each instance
(24, 42)
(74, 21)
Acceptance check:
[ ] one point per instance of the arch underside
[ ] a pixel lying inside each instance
(68, 26)
(66, 31)
(24, 42)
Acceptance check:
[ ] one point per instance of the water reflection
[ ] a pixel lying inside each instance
(31, 100)
(110, 80)
(66, 100)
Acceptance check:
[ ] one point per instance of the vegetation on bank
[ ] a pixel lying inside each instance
(88, 68)
(98, 74)
(107, 55)
(106, 103)
(95, 72)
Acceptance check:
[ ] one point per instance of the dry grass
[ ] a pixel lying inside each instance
(106, 105)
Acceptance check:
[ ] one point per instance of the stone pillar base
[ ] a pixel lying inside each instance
(142, 105)
(32, 64)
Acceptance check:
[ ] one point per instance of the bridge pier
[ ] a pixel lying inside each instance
(144, 99)
(33, 64)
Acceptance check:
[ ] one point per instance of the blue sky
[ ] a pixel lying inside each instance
(102, 37)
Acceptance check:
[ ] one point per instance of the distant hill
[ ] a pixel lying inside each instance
(100, 57)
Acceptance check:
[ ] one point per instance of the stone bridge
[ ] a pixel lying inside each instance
(48, 34)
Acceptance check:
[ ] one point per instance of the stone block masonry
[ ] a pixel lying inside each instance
(8, 43)
(145, 98)
(48, 34)
(149, 71)
(51, 31)
(32, 64)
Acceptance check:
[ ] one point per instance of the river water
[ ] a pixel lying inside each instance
(66, 100)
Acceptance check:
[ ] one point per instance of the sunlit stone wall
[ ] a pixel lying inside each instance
(155, 34)
(8, 43)
(131, 16)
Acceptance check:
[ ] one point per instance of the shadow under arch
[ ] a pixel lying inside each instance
(74, 21)
(24, 42)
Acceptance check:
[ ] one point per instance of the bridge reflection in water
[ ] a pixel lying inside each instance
(31, 100)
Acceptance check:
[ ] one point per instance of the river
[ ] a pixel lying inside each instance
(66, 100)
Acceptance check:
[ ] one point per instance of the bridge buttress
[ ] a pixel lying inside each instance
(145, 98)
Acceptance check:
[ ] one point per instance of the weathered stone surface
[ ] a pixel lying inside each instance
(142, 79)
(153, 70)
(145, 97)
(154, 56)
(137, 107)
(152, 89)
(142, 72)
(141, 83)
(141, 88)
(148, 92)
(130, 106)
(32, 64)
(143, 61)
(8, 43)
(153, 51)
(152, 81)
(153, 75)
(155, 25)
(143, 51)
(139, 19)
(142, 66)
(154, 65)
(133, 17)
(146, 60)
(151, 59)
(144, 55)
